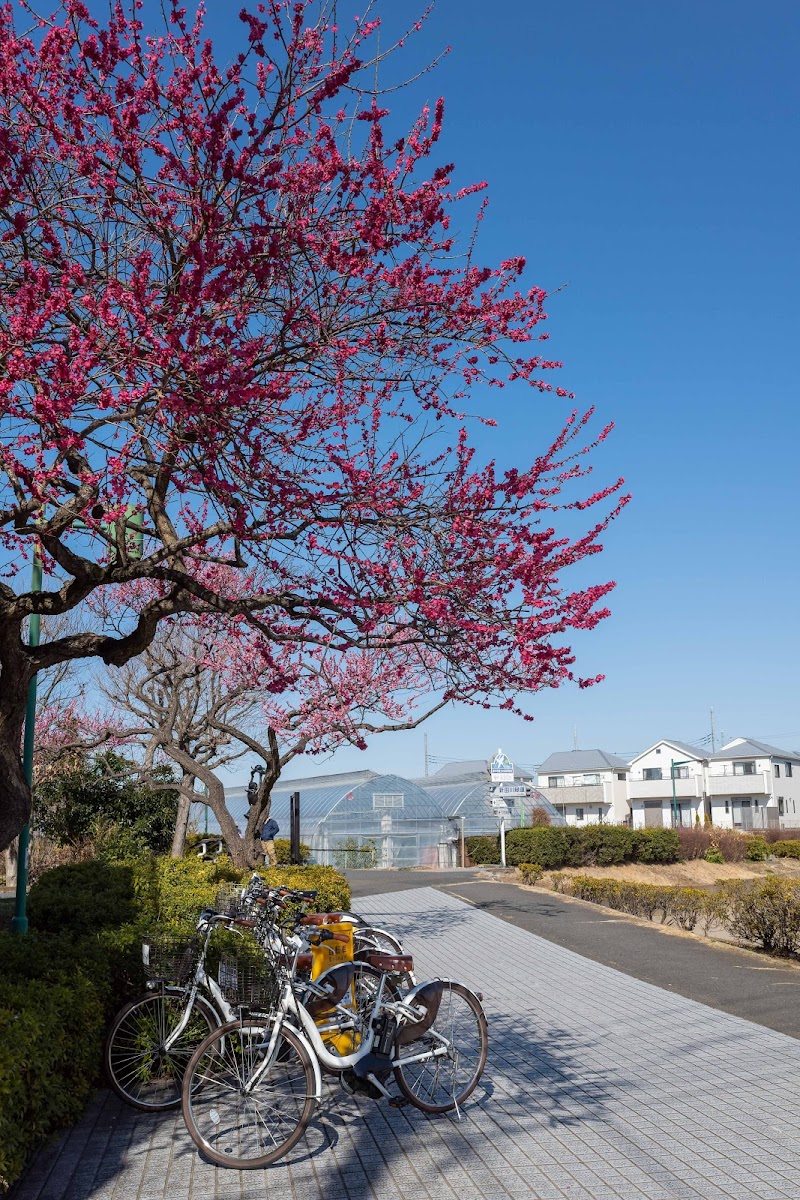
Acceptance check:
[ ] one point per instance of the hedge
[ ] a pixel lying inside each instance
(483, 849)
(766, 911)
(593, 845)
(790, 849)
(81, 960)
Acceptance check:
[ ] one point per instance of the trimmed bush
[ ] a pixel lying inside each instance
(681, 906)
(592, 845)
(757, 849)
(714, 855)
(83, 897)
(483, 849)
(333, 890)
(786, 849)
(530, 873)
(283, 852)
(766, 912)
(50, 1039)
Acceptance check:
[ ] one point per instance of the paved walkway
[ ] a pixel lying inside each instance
(599, 1087)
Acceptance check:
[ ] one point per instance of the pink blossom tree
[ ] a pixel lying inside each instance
(236, 329)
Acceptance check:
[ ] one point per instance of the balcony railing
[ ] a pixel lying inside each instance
(651, 789)
(740, 785)
(583, 793)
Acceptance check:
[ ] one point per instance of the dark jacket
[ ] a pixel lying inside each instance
(270, 830)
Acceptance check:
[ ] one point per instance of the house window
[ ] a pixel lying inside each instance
(744, 768)
(621, 777)
(587, 779)
(781, 806)
(578, 814)
(388, 799)
(658, 751)
(555, 780)
(777, 770)
(652, 773)
(680, 772)
(727, 806)
(788, 770)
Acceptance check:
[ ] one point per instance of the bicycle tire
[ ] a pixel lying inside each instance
(138, 1069)
(376, 939)
(433, 1086)
(224, 1121)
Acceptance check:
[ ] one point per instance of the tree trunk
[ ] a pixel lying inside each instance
(15, 675)
(182, 819)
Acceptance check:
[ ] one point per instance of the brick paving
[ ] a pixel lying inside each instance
(598, 1087)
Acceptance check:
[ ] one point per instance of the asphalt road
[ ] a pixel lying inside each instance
(746, 984)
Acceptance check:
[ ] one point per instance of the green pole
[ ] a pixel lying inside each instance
(19, 923)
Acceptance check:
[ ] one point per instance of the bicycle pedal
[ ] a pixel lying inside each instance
(398, 1102)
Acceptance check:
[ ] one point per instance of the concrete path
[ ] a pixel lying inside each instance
(599, 1087)
(740, 982)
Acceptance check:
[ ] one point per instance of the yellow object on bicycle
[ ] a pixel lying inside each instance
(333, 953)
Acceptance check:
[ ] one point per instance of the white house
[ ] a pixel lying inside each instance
(586, 786)
(752, 785)
(651, 797)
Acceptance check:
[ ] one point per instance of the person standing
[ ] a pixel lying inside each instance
(269, 832)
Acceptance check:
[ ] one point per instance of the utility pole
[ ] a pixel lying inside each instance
(713, 735)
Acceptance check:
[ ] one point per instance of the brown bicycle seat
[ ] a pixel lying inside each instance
(304, 962)
(390, 963)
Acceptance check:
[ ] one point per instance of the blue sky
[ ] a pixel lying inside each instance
(645, 155)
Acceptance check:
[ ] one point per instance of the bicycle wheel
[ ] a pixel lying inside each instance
(140, 1070)
(440, 1084)
(241, 1111)
(367, 937)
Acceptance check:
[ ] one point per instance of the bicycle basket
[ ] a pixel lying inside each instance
(248, 982)
(229, 902)
(169, 957)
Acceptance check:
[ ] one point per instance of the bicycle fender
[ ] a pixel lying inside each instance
(424, 995)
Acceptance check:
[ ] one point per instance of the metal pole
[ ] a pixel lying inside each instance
(19, 923)
(502, 841)
(674, 797)
(463, 855)
(294, 829)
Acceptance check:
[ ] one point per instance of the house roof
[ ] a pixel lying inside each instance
(474, 770)
(683, 747)
(750, 748)
(581, 760)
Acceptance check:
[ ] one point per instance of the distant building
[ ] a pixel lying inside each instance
(586, 787)
(650, 785)
(752, 785)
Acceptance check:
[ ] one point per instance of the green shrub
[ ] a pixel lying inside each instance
(333, 890)
(786, 849)
(50, 1039)
(283, 852)
(656, 846)
(757, 849)
(591, 845)
(530, 873)
(483, 849)
(681, 906)
(83, 897)
(714, 855)
(766, 912)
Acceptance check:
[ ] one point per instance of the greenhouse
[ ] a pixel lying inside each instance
(363, 819)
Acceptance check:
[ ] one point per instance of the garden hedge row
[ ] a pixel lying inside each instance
(62, 982)
(765, 911)
(593, 845)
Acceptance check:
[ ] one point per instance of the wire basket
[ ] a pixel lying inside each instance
(248, 982)
(168, 957)
(230, 903)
